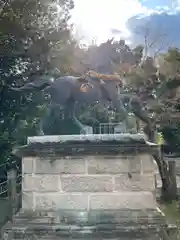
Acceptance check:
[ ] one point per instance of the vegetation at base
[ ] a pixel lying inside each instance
(172, 212)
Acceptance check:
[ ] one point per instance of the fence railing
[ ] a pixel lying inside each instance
(3, 188)
(10, 196)
(113, 128)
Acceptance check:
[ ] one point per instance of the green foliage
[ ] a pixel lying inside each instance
(173, 55)
(34, 35)
(172, 129)
(160, 92)
(35, 39)
(171, 210)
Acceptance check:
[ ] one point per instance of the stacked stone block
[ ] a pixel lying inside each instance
(89, 182)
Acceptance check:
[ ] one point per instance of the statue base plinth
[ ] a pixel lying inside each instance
(94, 186)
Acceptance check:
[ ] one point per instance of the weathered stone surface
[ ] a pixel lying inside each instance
(148, 166)
(125, 137)
(85, 144)
(41, 182)
(70, 201)
(136, 183)
(95, 224)
(90, 178)
(123, 200)
(60, 165)
(87, 183)
(28, 164)
(27, 200)
(108, 164)
(79, 201)
(134, 164)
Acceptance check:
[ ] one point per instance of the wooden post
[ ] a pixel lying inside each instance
(12, 193)
(172, 175)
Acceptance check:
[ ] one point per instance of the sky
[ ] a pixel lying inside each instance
(99, 20)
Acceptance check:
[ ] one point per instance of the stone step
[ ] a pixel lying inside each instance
(96, 224)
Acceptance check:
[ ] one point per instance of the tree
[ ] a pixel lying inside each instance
(169, 65)
(159, 94)
(155, 39)
(35, 37)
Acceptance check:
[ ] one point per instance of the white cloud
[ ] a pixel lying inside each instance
(96, 18)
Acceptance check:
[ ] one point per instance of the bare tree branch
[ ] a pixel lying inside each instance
(4, 5)
(154, 39)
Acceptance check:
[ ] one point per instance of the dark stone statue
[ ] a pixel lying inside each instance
(90, 88)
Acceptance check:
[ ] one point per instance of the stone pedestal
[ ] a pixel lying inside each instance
(96, 186)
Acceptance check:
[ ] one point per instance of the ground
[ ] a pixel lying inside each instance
(172, 211)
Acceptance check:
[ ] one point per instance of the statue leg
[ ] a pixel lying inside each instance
(122, 110)
(40, 131)
(45, 119)
(123, 113)
(40, 126)
(77, 122)
(70, 113)
(138, 111)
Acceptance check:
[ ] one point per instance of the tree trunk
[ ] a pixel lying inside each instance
(167, 172)
(168, 177)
